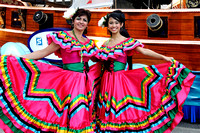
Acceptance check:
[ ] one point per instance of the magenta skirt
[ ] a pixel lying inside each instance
(143, 100)
(38, 97)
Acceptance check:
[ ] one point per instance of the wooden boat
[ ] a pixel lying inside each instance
(180, 37)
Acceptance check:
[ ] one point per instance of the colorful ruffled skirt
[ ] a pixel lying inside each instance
(38, 97)
(143, 100)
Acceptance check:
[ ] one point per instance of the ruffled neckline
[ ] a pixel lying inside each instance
(70, 43)
(73, 38)
(120, 43)
(124, 48)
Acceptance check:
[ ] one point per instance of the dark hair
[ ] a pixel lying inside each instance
(119, 16)
(81, 12)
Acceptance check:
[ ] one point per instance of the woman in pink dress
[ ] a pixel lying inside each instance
(147, 99)
(38, 97)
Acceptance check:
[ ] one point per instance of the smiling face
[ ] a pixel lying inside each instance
(114, 25)
(81, 22)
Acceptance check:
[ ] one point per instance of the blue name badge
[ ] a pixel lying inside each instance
(38, 41)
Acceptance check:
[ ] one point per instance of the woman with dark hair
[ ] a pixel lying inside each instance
(147, 99)
(38, 97)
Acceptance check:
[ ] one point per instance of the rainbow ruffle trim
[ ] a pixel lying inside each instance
(70, 43)
(119, 49)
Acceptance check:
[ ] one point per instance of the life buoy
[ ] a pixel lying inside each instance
(154, 22)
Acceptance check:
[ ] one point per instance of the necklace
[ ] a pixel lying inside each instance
(80, 45)
(108, 42)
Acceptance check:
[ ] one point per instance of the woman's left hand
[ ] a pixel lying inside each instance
(168, 59)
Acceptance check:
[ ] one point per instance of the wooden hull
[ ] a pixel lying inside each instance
(188, 55)
(180, 43)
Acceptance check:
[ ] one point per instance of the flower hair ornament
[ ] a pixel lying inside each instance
(69, 13)
(102, 21)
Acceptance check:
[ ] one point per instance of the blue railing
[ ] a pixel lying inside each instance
(191, 108)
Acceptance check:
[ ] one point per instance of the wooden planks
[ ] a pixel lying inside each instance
(186, 54)
(181, 27)
(13, 37)
(180, 24)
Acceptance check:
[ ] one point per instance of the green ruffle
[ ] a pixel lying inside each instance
(8, 122)
(175, 90)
